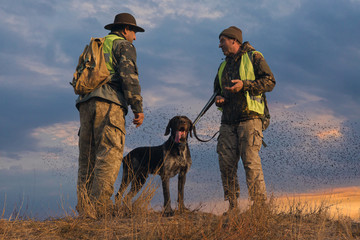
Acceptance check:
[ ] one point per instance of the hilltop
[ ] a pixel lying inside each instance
(266, 222)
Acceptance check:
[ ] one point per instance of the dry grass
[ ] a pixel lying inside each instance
(269, 221)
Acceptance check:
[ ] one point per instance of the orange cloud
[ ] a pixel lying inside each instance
(332, 133)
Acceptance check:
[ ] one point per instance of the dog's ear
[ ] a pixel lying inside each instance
(167, 131)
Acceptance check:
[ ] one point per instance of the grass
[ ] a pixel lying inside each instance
(297, 220)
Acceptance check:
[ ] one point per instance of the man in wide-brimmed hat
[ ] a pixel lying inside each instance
(241, 83)
(102, 119)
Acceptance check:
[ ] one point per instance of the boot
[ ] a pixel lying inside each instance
(233, 206)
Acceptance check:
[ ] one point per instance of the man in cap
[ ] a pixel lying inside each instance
(102, 119)
(242, 80)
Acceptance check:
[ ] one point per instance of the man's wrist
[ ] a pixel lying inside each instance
(245, 85)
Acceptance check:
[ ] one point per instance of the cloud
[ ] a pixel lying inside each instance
(37, 71)
(328, 134)
(148, 13)
(30, 160)
(302, 98)
(39, 67)
(64, 133)
(87, 9)
(281, 9)
(167, 95)
(56, 151)
(171, 53)
(151, 13)
(14, 22)
(178, 75)
(317, 148)
(61, 56)
(311, 118)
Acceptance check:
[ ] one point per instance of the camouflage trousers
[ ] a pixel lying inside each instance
(101, 145)
(243, 141)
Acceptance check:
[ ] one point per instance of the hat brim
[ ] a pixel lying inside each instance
(137, 28)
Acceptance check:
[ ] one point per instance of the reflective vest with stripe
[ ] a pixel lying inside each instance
(246, 70)
(107, 49)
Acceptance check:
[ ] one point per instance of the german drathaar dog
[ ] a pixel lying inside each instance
(167, 160)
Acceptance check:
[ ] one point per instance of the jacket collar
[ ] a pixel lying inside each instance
(244, 48)
(117, 34)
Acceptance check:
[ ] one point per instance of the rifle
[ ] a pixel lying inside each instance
(203, 111)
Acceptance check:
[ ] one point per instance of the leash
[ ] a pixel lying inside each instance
(203, 111)
(201, 140)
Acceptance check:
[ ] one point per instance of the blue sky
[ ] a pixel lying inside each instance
(312, 48)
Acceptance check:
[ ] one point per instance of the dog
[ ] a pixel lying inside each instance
(167, 160)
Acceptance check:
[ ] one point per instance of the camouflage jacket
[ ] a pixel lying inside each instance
(124, 88)
(235, 107)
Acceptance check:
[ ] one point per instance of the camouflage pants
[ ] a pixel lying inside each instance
(241, 141)
(101, 145)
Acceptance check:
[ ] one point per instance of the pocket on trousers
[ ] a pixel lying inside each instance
(116, 118)
(257, 138)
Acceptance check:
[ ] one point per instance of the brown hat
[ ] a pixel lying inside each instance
(124, 19)
(232, 32)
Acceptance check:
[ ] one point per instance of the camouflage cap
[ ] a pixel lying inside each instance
(232, 32)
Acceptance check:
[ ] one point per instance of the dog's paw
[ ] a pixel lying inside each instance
(183, 209)
(168, 213)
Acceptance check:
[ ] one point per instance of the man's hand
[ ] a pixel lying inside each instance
(236, 87)
(138, 119)
(219, 101)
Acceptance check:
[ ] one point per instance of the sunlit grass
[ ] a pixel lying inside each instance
(274, 220)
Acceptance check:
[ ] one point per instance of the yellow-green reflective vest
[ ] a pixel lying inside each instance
(107, 49)
(246, 70)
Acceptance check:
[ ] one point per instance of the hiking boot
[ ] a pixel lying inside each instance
(233, 206)
(260, 204)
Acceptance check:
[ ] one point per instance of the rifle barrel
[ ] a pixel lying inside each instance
(206, 107)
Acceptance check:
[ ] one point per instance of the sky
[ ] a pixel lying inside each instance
(312, 48)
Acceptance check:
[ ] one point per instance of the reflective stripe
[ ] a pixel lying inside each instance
(221, 70)
(107, 49)
(246, 72)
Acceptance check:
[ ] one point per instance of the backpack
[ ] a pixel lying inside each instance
(91, 71)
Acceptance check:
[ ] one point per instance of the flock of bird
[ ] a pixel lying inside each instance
(297, 157)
